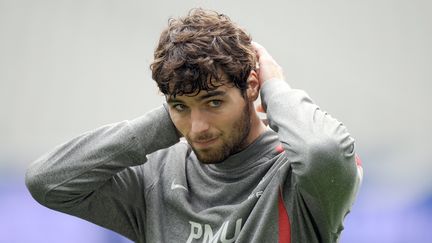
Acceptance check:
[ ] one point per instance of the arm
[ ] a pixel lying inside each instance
(92, 176)
(320, 149)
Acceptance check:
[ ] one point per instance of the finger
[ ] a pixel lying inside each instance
(262, 54)
(259, 49)
(260, 108)
(255, 46)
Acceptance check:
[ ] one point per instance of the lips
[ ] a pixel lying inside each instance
(204, 143)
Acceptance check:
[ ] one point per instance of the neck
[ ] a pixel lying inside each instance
(257, 126)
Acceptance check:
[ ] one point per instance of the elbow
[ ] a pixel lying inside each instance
(35, 184)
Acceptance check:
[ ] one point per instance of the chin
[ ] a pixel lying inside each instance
(211, 158)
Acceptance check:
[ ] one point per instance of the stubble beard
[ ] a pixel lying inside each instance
(230, 145)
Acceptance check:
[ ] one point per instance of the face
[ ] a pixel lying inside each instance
(215, 123)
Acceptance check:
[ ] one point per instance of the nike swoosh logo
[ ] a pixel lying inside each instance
(177, 186)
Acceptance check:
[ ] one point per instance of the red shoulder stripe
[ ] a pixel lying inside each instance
(279, 148)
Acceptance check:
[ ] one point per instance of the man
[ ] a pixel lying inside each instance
(231, 178)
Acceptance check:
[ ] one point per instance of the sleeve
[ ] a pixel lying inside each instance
(95, 175)
(321, 151)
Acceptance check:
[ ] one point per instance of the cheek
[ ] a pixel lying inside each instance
(180, 123)
(228, 121)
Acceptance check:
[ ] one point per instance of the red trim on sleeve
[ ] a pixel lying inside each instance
(284, 224)
(358, 160)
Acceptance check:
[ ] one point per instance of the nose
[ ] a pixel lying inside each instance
(199, 122)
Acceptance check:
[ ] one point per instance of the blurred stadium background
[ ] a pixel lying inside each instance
(70, 66)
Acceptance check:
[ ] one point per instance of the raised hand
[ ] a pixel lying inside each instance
(267, 67)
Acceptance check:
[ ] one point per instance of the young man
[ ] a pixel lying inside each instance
(231, 178)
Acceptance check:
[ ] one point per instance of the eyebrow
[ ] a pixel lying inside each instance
(209, 94)
(212, 93)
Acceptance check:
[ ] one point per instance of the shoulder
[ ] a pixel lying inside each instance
(177, 154)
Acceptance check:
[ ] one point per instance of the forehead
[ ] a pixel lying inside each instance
(190, 81)
(223, 90)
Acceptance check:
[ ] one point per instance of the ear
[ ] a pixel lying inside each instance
(253, 88)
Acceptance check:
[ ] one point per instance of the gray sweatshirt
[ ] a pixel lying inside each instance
(295, 183)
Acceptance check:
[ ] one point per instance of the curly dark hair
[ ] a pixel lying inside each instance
(202, 51)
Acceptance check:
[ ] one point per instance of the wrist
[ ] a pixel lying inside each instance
(273, 80)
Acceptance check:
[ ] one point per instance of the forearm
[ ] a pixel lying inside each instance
(75, 169)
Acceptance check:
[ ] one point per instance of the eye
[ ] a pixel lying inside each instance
(179, 107)
(215, 103)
